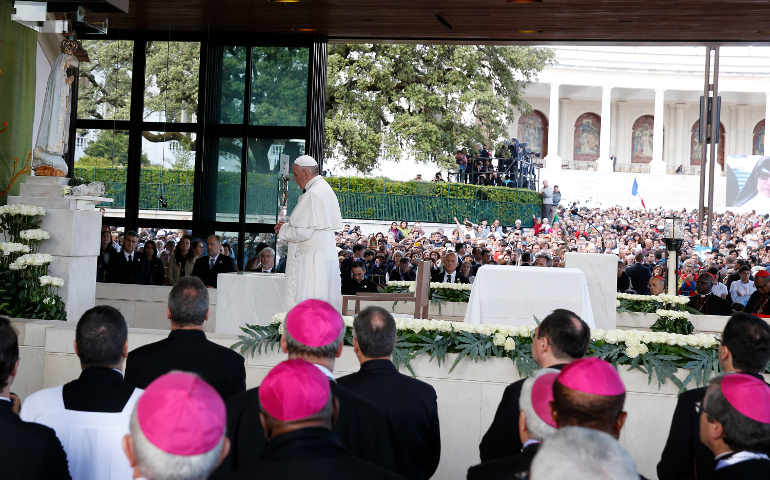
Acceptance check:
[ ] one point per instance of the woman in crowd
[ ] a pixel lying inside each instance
(466, 270)
(197, 247)
(181, 264)
(157, 272)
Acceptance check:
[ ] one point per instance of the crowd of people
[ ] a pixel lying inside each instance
(182, 410)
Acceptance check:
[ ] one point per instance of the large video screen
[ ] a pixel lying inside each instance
(748, 182)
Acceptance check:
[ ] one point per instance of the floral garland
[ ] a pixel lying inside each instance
(658, 354)
(672, 310)
(439, 294)
(26, 289)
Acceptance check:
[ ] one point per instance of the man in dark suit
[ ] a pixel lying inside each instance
(91, 414)
(357, 283)
(735, 426)
(536, 425)
(639, 275)
(745, 349)
(266, 261)
(129, 266)
(410, 404)
(186, 348)
(559, 339)
(346, 268)
(450, 274)
(27, 450)
(314, 331)
(403, 272)
(298, 410)
(706, 302)
(207, 268)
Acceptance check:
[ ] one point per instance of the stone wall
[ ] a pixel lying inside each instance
(468, 397)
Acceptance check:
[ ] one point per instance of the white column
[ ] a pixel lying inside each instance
(740, 139)
(621, 151)
(730, 135)
(657, 166)
(679, 155)
(604, 164)
(668, 147)
(614, 136)
(767, 123)
(553, 160)
(565, 144)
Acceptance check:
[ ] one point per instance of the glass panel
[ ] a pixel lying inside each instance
(262, 179)
(279, 86)
(233, 85)
(228, 179)
(104, 85)
(230, 246)
(257, 241)
(171, 82)
(102, 155)
(168, 173)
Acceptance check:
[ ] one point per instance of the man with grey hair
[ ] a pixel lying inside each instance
(543, 260)
(449, 273)
(312, 269)
(187, 348)
(410, 404)
(266, 261)
(535, 425)
(314, 331)
(209, 267)
(177, 430)
(580, 453)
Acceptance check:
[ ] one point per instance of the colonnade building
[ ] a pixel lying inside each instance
(596, 102)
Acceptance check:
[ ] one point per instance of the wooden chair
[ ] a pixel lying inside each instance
(421, 296)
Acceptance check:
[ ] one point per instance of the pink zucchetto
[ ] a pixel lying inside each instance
(314, 323)
(542, 396)
(748, 395)
(181, 414)
(592, 375)
(294, 389)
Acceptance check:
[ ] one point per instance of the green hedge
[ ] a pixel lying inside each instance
(361, 198)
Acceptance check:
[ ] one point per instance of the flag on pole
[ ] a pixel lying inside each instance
(635, 193)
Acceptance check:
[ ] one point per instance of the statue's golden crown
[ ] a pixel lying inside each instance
(69, 46)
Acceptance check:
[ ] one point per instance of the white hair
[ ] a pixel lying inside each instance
(538, 429)
(580, 453)
(156, 464)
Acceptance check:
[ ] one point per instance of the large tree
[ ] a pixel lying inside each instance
(422, 101)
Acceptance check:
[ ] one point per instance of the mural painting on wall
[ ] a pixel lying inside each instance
(641, 139)
(533, 129)
(696, 147)
(758, 143)
(587, 133)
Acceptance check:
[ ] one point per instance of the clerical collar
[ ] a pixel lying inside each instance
(529, 442)
(312, 181)
(325, 371)
(6, 399)
(731, 458)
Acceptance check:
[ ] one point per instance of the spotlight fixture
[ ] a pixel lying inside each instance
(525, 1)
(528, 31)
(443, 22)
(284, 1)
(304, 29)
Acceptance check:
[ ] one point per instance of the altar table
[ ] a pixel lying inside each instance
(248, 297)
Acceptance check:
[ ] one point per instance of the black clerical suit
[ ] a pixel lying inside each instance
(710, 304)
(120, 270)
(748, 470)
(29, 451)
(361, 427)
(640, 276)
(351, 286)
(502, 438)
(758, 304)
(102, 260)
(97, 390)
(188, 351)
(411, 407)
(684, 454)
(396, 275)
(222, 264)
(459, 278)
(312, 452)
(624, 282)
(506, 467)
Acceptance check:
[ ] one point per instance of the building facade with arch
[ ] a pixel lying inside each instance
(598, 102)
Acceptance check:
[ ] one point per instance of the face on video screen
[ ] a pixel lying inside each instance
(748, 182)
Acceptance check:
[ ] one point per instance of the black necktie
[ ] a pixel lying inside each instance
(130, 258)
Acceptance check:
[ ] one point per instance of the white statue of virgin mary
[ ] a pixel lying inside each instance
(53, 135)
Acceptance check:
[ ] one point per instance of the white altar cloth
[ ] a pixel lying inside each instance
(248, 297)
(506, 295)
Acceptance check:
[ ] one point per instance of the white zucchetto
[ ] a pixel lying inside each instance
(305, 161)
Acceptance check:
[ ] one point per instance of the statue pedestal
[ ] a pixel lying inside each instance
(75, 228)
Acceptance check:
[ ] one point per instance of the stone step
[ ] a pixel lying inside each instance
(67, 203)
(42, 180)
(40, 190)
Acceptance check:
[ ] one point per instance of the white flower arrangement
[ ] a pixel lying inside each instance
(46, 280)
(35, 234)
(662, 298)
(9, 248)
(31, 259)
(638, 339)
(435, 285)
(672, 313)
(20, 209)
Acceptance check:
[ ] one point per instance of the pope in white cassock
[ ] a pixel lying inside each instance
(312, 266)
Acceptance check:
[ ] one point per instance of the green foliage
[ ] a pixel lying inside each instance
(681, 326)
(256, 337)
(105, 82)
(415, 99)
(279, 86)
(171, 80)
